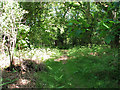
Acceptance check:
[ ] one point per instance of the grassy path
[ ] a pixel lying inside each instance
(80, 70)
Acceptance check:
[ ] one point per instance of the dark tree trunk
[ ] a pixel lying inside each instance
(116, 41)
(55, 42)
(11, 59)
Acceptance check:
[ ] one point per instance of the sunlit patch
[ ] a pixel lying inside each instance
(40, 54)
(93, 53)
(20, 83)
(61, 58)
(23, 72)
(23, 81)
(13, 86)
(4, 62)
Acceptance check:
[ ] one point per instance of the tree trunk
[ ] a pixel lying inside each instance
(115, 42)
(88, 33)
(11, 60)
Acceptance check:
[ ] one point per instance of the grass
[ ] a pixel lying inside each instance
(82, 70)
(95, 67)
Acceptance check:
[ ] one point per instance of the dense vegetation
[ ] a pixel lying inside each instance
(77, 42)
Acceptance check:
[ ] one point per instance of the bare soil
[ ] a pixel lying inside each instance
(22, 75)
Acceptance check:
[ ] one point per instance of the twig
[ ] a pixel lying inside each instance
(9, 82)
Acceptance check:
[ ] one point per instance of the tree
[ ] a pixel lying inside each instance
(72, 23)
(11, 16)
(110, 24)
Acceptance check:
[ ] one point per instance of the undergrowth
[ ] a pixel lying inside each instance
(40, 54)
(84, 69)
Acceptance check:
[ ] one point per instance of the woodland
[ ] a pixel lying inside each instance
(59, 44)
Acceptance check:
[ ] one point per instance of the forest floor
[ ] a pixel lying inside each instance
(18, 79)
(25, 78)
(74, 68)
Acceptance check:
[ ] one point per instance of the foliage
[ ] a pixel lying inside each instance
(22, 37)
(10, 26)
(72, 23)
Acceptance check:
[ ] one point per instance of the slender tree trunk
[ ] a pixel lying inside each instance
(115, 42)
(11, 59)
(89, 33)
(3, 45)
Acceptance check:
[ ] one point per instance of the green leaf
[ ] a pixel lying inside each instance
(70, 24)
(108, 39)
(105, 25)
(78, 32)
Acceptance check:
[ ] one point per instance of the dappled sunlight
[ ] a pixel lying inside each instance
(4, 61)
(38, 55)
(59, 45)
(68, 66)
(93, 53)
(20, 83)
(64, 57)
(23, 72)
(13, 86)
(23, 81)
